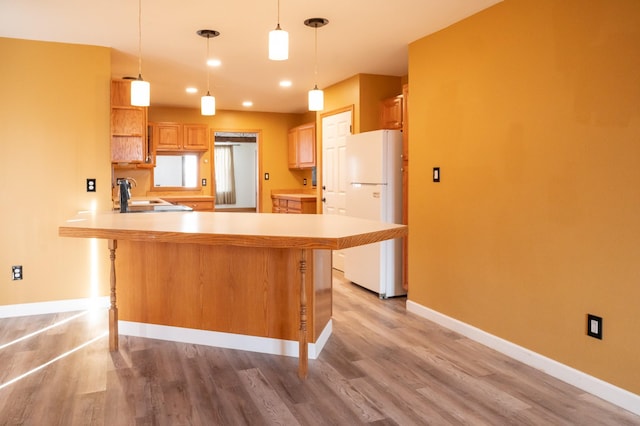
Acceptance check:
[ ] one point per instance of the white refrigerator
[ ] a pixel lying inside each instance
(374, 191)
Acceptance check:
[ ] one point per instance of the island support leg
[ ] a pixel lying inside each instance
(303, 357)
(113, 310)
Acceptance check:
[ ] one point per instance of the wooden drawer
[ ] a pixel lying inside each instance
(294, 205)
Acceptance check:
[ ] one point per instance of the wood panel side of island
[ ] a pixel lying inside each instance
(243, 290)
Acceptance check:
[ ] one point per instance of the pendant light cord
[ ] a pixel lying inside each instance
(278, 26)
(208, 66)
(140, 39)
(316, 58)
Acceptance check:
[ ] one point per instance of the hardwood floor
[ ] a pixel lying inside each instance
(382, 366)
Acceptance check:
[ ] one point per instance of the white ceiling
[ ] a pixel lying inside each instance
(363, 36)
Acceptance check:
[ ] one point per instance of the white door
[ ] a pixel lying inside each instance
(335, 129)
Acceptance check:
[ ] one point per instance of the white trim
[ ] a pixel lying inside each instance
(613, 394)
(223, 340)
(53, 307)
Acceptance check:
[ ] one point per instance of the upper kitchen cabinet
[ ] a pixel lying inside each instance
(302, 146)
(129, 142)
(195, 137)
(180, 137)
(391, 113)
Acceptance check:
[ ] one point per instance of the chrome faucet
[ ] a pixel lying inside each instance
(125, 192)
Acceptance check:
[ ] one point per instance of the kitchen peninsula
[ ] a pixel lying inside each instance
(261, 275)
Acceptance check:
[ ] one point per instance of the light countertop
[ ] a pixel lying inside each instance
(238, 229)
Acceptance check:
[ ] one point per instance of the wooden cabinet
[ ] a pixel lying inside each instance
(302, 146)
(201, 204)
(195, 137)
(129, 143)
(167, 136)
(405, 183)
(391, 113)
(292, 203)
(405, 122)
(170, 136)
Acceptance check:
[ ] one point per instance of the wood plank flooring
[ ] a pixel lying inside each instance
(382, 366)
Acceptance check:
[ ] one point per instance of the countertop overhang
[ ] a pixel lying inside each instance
(332, 232)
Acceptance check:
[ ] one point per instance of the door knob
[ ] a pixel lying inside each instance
(324, 200)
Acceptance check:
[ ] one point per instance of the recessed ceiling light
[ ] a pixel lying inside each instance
(191, 90)
(247, 104)
(285, 83)
(214, 62)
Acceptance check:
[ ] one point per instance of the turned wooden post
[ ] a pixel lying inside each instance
(303, 359)
(113, 310)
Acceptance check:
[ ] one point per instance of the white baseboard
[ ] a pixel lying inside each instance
(176, 334)
(224, 340)
(613, 394)
(53, 307)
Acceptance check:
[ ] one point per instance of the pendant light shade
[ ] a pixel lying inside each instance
(316, 99)
(208, 105)
(278, 42)
(316, 96)
(140, 92)
(208, 102)
(140, 89)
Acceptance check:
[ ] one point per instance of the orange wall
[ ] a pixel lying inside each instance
(364, 92)
(54, 134)
(373, 89)
(532, 111)
(341, 95)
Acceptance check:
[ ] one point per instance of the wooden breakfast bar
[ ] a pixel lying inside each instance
(245, 274)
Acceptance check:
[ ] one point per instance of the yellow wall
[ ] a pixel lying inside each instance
(54, 104)
(532, 110)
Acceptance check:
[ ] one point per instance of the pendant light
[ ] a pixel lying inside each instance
(140, 89)
(208, 102)
(316, 96)
(278, 42)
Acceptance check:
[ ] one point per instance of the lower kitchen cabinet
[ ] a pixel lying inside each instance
(294, 203)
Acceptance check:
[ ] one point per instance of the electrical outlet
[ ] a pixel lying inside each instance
(91, 185)
(16, 272)
(594, 326)
(204, 182)
(266, 176)
(304, 182)
(436, 174)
